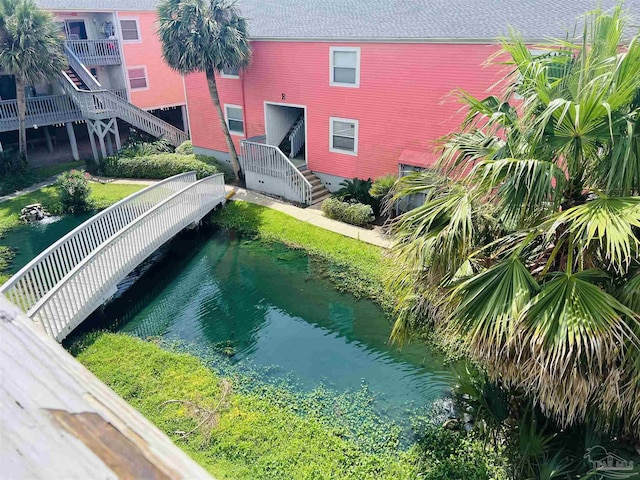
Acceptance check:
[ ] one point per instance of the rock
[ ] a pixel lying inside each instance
(451, 424)
(467, 418)
(33, 213)
(468, 427)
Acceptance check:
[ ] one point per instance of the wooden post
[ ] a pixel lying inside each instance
(47, 137)
(72, 140)
(116, 133)
(90, 127)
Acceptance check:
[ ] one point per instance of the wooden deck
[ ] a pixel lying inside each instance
(59, 421)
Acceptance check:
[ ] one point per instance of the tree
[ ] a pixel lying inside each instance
(30, 49)
(205, 36)
(526, 249)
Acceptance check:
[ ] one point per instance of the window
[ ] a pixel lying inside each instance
(137, 78)
(345, 66)
(130, 30)
(343, 136)
(235, 122)
(230, 73)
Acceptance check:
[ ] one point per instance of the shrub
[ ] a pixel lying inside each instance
(225, 168)
(158, 166)
(382, 186)
(348, 212)
(73, 190)
(143, 149)
(357, 190)
(185, 148)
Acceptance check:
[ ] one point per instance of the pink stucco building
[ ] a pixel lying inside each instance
(360, 88)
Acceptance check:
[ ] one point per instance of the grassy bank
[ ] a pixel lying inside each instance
(255, 436)
(101, 197)
(354, 266)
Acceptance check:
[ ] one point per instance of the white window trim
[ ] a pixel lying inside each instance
(226, 75)
(135, 19)
(344, 49)
(146, 76)
(355, 136)
(226, 119)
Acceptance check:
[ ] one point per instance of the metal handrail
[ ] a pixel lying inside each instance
(41, 274)
(270, 160)
(92, 280)
(296, 138)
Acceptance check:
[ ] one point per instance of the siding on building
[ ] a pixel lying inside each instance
(404, 101)
(164, 86)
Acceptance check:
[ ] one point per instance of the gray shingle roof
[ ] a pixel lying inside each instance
(392, 19)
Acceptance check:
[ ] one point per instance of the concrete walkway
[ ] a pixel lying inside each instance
(314, 217)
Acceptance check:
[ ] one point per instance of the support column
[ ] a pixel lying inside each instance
(47, 137)
(185, 119)
(109, 144)
(72, 140)
(90, 127)
(116, 133)
(1, 149)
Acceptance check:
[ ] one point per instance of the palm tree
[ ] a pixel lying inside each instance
(526, 249)
(205, 36)
(30, 49)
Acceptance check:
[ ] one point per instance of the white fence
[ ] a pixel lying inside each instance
(92, 281)
(268, 160)
(27, 287)
(40, 111)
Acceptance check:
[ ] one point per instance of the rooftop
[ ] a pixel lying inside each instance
(399, 20)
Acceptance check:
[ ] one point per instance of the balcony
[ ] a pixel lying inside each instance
(97, 52)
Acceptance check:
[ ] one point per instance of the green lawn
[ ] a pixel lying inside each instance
(25, 179)
(255, 436)
(102, 195)
(353, 265)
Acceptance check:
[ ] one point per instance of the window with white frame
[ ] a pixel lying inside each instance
(137, 78)
(130, 30)
(343, 135)
(229, 72)
(235, 121)
(345, 66)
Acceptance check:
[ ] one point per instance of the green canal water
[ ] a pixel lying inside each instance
(262, 309)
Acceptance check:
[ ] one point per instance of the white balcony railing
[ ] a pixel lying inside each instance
(40, 111)
(97, 52)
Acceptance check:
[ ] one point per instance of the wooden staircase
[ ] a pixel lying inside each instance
(319, 193)
(77, 81)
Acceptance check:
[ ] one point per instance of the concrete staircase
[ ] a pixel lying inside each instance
(319, 192)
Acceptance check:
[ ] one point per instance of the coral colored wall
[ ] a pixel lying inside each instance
(165, 87)
(403, 102)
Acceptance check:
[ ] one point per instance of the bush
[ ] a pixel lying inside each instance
(348, 212)
(382, 186)
(158, 166)
(225, 168)
(143, 149)
(185, 148)
(73, 190)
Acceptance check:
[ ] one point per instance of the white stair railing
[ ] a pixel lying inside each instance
(269, 160)
(296, 137)
(92, 281)
(42, 274)
(99, 104)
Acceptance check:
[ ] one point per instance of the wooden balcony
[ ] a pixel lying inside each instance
(97, 52)
(41, 111)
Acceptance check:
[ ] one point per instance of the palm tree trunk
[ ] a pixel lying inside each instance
(213, 92)
(22, 114)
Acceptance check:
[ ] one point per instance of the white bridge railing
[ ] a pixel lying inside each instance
(93, 280)
(269, 160)
(28, 286)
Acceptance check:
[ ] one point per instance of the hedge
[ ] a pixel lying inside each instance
(354, 213)
(158, 166)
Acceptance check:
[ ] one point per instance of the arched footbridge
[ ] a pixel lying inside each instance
(63, 285)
